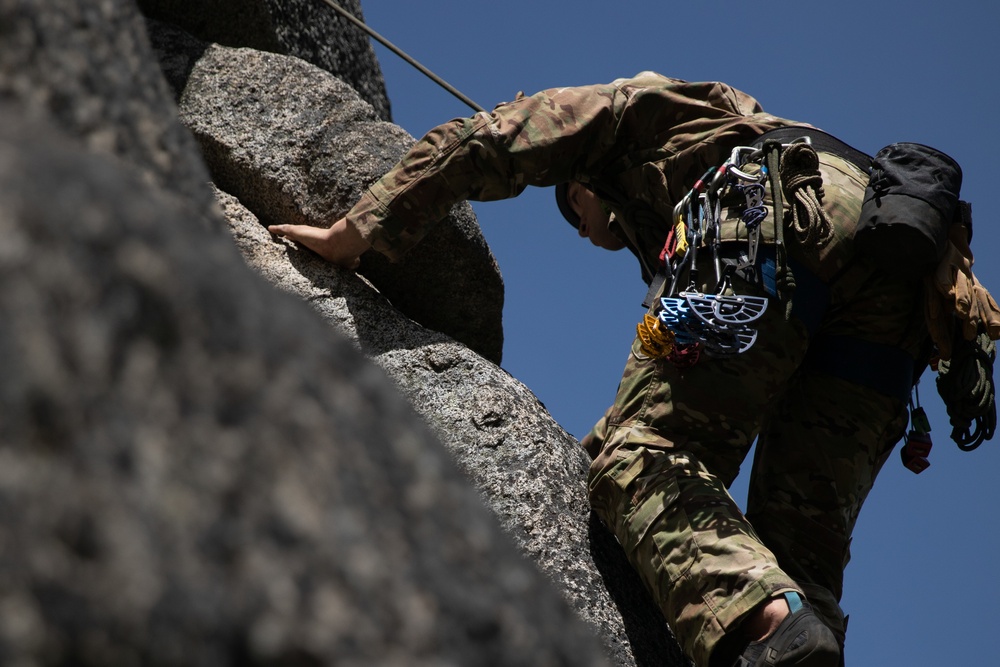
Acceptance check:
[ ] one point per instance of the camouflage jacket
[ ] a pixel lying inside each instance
(639, 143)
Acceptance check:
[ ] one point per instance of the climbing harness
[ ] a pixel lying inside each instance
(689, 320)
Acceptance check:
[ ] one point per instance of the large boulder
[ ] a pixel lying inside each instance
(308, 29)
(529, 470)
(86, 67)
(296, 145)
(195, 470)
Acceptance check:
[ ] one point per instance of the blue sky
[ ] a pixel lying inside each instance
(923, 585)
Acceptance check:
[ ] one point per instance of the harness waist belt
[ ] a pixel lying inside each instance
(821, 141)
(886, 369)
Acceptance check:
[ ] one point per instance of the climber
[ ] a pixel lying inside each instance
(771, 328)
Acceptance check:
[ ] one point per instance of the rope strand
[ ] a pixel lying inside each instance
(399, 52)
(803, 185)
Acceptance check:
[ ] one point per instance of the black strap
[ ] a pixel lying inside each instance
(784, 283)
(655, 288)
(821, 141)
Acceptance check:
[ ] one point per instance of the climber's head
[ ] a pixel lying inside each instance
(585, 211)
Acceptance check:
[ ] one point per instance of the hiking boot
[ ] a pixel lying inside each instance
(801, 640)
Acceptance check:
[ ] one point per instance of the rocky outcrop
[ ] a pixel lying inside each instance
(307, 29)
(529, 470)
(297, 145)
(86, 67)
(195, 470)
(199, 469)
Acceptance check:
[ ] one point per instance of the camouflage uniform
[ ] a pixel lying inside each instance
(674, 439)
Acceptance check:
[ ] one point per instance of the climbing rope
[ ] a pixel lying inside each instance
(399, 52)
(803, 185)
(965, 384)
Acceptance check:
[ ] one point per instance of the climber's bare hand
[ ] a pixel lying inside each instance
(340, 243)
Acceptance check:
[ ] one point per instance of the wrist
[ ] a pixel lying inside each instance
(347, 238)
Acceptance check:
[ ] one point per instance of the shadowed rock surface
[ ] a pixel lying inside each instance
(296, 145)
(87, 68)
(307, 29)
(197, 469)
(529, 470)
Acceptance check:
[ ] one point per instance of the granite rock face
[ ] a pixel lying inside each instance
(197, 468)
(296, 145)
(306, 29)
(528, 469)
(86, 67)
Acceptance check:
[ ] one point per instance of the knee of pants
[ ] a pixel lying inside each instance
(609, 476)
(656, 501)
(627, 492)
(593, 442)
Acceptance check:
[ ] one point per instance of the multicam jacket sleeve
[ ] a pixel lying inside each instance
(649, 137)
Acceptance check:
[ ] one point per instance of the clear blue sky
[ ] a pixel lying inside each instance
(923, 585)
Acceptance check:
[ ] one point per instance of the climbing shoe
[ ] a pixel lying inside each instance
(801, 640)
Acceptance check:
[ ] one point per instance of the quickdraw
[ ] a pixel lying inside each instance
(720, 323)
(753, 215)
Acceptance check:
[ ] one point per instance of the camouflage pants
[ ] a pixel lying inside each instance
(674, 440)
